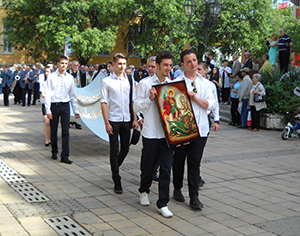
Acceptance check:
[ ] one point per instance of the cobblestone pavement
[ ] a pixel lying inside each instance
(252, 185)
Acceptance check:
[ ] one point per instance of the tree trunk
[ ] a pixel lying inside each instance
(83, 60)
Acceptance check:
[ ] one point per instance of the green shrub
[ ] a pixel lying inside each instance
(280, 91)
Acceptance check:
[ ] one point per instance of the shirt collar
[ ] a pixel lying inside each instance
(59, 75)
(114, 76)
(156, 79)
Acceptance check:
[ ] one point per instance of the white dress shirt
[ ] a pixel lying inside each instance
(205, 92)
(216, 111)
(152, 127)
(226, 78)
(43, 86)
(60, 88)
(115, 92)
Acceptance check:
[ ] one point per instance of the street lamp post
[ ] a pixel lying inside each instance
(212, 14)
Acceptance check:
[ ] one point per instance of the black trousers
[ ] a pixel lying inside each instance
(17, 92)
(235, 115)
(284, 60)
(193, 153)
(156, 151)
(117, 156)
(62, 111)
(225, 94)
(6, 92)
(36, 92)
(255, 117)
(29, 92)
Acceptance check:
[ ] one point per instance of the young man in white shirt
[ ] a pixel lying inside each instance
(118, 115)
(155, 148)
(59, 92)
(202, 99)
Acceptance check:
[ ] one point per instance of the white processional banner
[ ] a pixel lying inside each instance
(89, 106)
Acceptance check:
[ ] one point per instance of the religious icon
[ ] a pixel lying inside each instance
(176, 113)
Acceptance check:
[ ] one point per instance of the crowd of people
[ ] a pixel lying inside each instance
(131, 95)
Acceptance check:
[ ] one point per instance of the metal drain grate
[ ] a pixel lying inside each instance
(10, 175)
(130, 166)
(29, 193)
(65, 226)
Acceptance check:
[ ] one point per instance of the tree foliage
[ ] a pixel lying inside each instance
(43, 26)
(154, 25)
(158, 25)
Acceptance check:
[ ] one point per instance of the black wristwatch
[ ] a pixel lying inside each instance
(217, 121)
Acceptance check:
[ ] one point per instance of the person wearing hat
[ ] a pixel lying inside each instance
(244, 95)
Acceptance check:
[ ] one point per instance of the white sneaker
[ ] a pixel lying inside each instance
(144, 200)
(165, 212)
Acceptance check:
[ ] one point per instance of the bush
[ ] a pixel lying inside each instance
(280, 91)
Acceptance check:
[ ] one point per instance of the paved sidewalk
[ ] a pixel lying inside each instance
(252, 185)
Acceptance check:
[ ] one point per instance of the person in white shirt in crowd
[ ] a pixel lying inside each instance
(202, 70)
(43, 85)
(60, 91)
(177, 71)
(225, 72)
(202, 99)
(118, 115)
(155, 148)
(212, 62)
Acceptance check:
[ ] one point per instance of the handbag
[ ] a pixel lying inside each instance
(259, 98)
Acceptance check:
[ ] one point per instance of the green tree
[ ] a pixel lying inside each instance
(158, 25)
(42, 26)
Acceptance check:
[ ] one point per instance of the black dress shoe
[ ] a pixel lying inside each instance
(118, 187)
(177, 194)
(201, 182)
(67, 161)
(195, 203)
(54, 156)
(78, 126)
(155, 177)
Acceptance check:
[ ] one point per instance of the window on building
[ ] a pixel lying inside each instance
(8, 45)
(132, 52)
(133, 31)
(103, 53)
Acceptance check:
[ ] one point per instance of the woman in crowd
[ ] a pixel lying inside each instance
(235, 115)
(273, 51)
(258, 89)
(43, 83)
(216, 79)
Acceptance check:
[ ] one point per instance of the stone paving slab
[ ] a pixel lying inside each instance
(252, 184)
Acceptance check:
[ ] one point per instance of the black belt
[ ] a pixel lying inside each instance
(59, 103)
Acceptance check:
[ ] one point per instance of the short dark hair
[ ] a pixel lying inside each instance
(119, 55)
(62, 58)
(186, 52)
(164, 55)
(203, 64)
(239, 74)
(266, 56)
(110, 62)
(225, 61)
